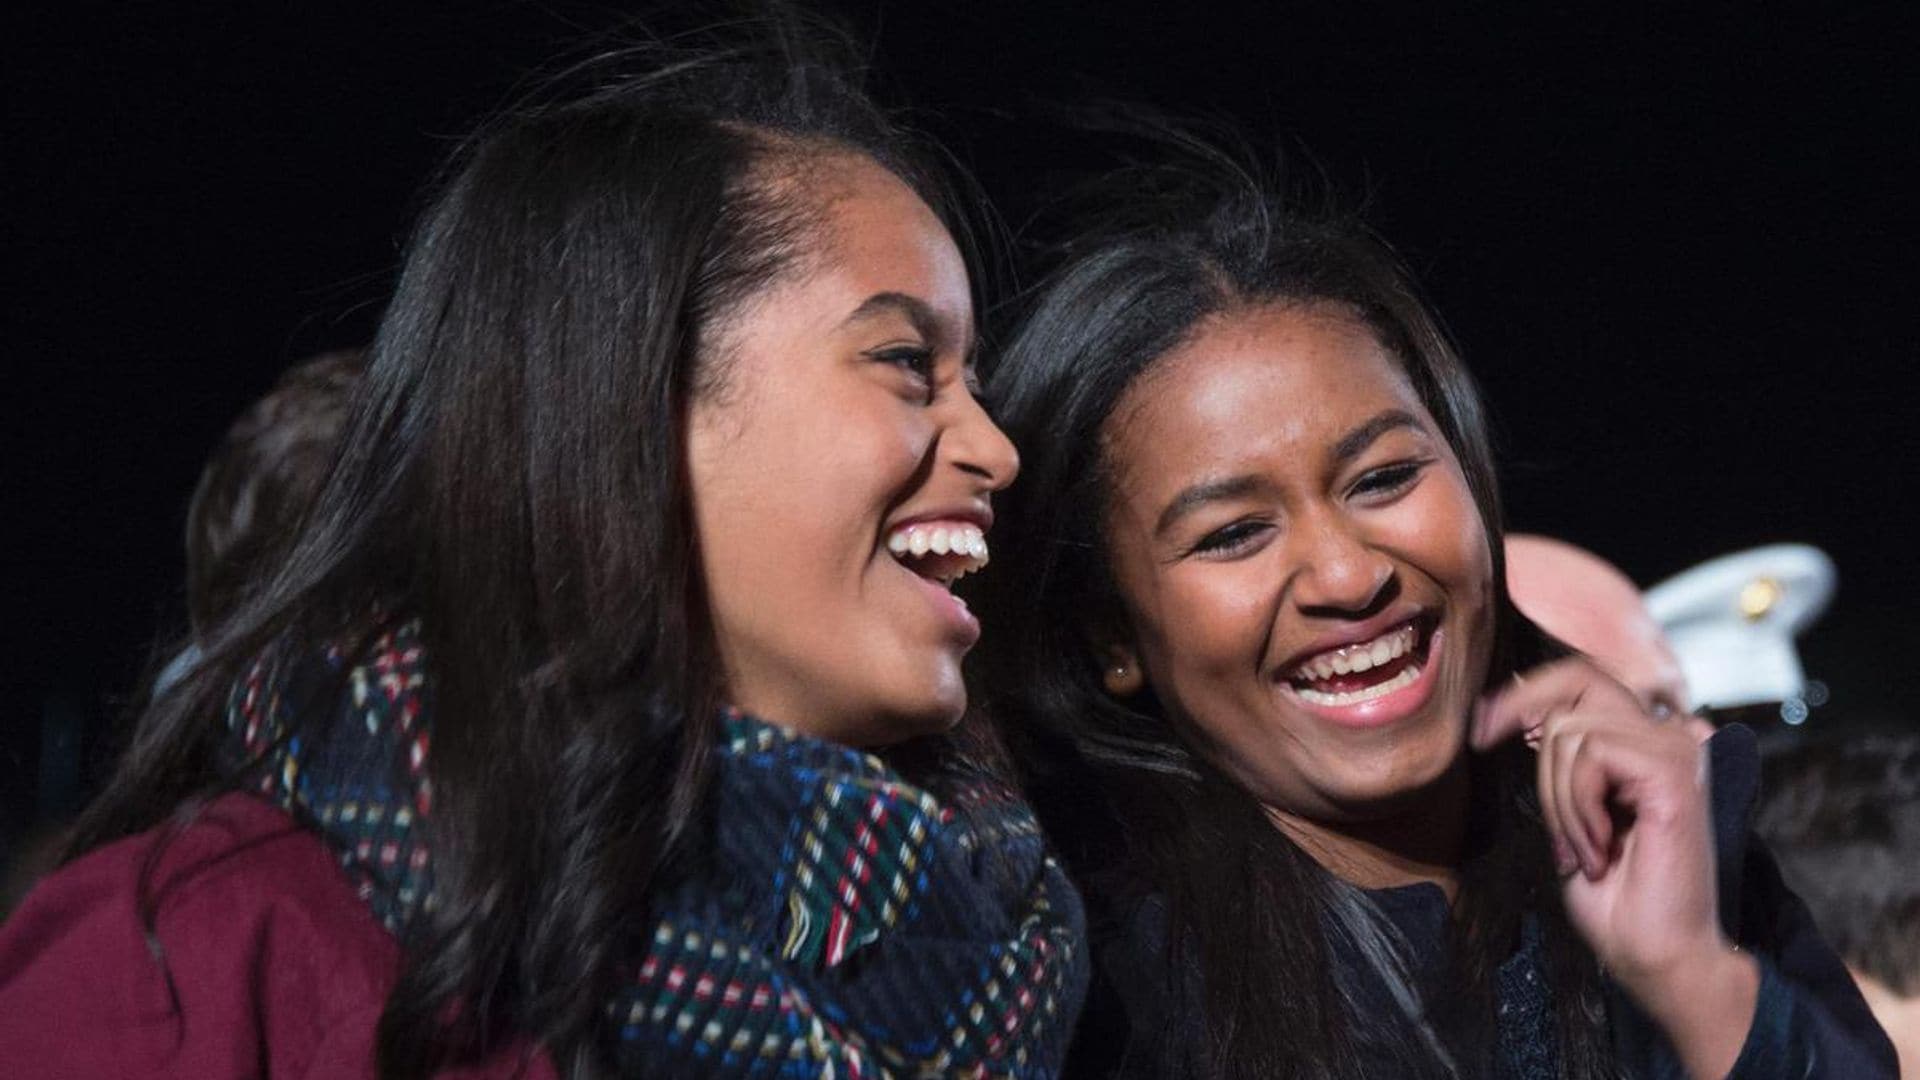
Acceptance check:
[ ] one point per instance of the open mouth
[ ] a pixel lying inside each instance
(1365, 670)
(940, 551)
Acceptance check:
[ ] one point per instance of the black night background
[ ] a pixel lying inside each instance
(1676, 244)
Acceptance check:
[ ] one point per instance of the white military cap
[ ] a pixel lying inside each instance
(1732, 621)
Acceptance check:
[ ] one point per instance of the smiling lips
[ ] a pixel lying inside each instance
(1363, 671)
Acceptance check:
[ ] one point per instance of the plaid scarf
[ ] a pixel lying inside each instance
(843, 923)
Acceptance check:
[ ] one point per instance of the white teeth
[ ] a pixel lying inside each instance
(1318, 697)
(1360, 656)
(916, 541)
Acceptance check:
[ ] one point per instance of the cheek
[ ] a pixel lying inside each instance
(1438, 529)
(872, 454)
(1202, 624)
(802, 475)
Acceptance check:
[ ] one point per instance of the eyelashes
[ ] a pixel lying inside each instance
(1376, 487)
(1389, 479)
(1232, 539)
(916, 361)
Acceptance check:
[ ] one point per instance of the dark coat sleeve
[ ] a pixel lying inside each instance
(1811, 1019)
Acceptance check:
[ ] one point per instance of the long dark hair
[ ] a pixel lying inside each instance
(513, 476)
(1137, 811)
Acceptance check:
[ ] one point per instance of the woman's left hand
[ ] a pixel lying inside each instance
(1625, 801)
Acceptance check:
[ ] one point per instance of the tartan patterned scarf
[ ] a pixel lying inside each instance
(844, 923)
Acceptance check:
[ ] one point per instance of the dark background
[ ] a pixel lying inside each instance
(1678, 248)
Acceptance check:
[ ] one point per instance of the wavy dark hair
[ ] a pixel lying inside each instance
(1137, 810)
(513, 476)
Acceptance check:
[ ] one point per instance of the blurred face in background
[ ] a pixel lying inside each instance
(1587, 603)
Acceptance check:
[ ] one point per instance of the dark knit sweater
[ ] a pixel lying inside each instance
(842, 921)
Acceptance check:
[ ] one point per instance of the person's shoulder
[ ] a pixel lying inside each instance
(197, 949)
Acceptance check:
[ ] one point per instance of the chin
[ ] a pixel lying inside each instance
(1367, 794)
(935, 716)
(1407, 791)
(893, 729)
(932, 710)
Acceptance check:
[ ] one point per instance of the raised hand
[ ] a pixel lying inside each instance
(1625, 802)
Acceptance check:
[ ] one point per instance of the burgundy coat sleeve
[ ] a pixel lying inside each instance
(264, 962)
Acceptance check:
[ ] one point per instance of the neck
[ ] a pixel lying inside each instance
(1421, 841)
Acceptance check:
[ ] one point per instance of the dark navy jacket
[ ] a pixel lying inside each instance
(1809, 1020)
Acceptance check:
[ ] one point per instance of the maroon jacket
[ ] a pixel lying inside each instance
(269, 964)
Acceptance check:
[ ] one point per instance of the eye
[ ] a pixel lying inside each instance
(1388, 480)
(916, 360)
(1227, 541)
(1662, 705)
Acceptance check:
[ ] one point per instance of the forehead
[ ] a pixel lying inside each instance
(1265, 384)
(881, 237)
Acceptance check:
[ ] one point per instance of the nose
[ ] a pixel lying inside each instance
(1339, 573)
(978, 446)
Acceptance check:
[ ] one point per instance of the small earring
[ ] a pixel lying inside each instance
(1123, 680)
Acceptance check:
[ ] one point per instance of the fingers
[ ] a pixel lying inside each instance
(1574, 789)
(1597, 746)
(1584, 784)
(1565, 859)
(1521, 707)
(1600, 772)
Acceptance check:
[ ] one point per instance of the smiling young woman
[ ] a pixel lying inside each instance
(636, 559)
(1266, 689)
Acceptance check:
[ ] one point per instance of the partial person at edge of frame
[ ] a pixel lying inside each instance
(636, 558)
(1591, 606)
(1841, 812)
(1336, 808)
(244, 514)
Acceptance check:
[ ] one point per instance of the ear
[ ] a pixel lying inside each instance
(1120, 669)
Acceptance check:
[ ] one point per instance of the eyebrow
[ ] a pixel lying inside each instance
(1195, 496)
(926, 322)
(1351, 445)
(1355, 442)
